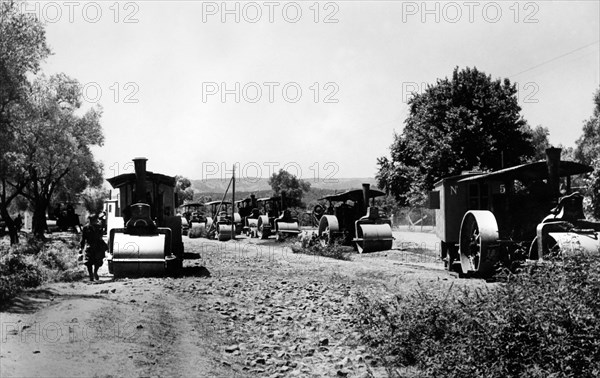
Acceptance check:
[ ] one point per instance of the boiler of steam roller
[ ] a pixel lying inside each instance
(150, 243)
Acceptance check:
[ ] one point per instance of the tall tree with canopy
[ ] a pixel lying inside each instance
(22, 48)
(465, 122)
(183, 190)
(54, 142)
(587, 151)
(294, 188)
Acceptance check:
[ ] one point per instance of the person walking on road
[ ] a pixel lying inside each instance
(93, 253)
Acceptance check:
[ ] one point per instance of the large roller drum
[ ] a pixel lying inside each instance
(328, 227)
(478, 231)
(285, 229)
(135, 255)
(263, 227)
(224, 231)
(237, 221)
(252, 224)
(570, 243)
(373, 237)
(197, 230)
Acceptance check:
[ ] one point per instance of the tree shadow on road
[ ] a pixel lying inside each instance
(30, 301)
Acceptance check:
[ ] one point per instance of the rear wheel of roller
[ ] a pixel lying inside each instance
(328, 226)
(478, 231)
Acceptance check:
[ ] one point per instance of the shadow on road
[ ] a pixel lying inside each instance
(195, 271)
(30, 301)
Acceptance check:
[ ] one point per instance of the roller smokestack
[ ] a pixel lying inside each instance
(365, 205)
(283, 201)
(140, 179)
(553, 162)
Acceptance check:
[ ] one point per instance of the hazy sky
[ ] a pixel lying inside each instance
(196, 86)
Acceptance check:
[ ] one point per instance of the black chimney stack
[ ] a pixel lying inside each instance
(283, 201)
(553, 161)
(140, 179)
(365, 189)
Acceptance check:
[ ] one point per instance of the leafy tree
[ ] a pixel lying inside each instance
(22, 48)
(468, 121)
(294, 188)
(588, 152)
(539, 138)
(53, 142)
(93, 199)
(183, 190)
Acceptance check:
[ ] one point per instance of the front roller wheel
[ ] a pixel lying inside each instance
(478, 231)
(373, 237)
(263, 229)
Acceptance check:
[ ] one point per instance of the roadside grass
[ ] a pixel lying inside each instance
(544, 322)
(32, 262)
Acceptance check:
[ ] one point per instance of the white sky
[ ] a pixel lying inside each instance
(374, 53)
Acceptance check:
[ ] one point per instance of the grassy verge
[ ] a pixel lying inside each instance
(542, 323)
(31, 263)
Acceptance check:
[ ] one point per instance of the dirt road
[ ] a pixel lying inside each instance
(246, 308)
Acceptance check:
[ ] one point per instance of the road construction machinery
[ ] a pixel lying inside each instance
(515, 213)
(192, 216)
(248, 213)
(66, 217)
(354, 222)
(275, 218)
(150, 242)
(219, 224)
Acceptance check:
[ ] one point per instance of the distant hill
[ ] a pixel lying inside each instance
(261, 185)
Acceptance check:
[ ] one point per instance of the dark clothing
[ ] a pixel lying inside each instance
(94, 252)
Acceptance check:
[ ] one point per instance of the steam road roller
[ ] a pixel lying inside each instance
(150, 243)
(193, 215)
(526, 212)
(276, 219)
(353, 221)
(248, 212)
(219, 224)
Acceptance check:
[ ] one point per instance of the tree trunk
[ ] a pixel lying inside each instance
(12, 229)
(39, 225)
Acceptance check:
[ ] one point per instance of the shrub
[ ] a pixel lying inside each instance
(16, 272)
(31, 263)
(310, 245)
(538, 324)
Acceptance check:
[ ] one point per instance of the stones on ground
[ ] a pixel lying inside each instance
(289, 327)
